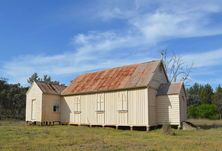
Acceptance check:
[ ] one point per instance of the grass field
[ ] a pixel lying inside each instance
(16, 136)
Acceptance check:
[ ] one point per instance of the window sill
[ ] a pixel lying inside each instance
(122, 111)
(100, 112)
(77, 112)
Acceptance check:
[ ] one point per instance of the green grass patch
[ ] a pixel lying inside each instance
(16, 136)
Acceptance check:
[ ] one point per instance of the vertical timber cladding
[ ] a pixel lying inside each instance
(138, 107)
(34, 102)
(152, 106)
(100, 109)
(122, 107)
(128, 108)
(67, 109)
(48, 102)
(77, 109)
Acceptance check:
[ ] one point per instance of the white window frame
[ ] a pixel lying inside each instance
(123, 102)
(77, 105)
(100, 103)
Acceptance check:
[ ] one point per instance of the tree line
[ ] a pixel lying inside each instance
(204, 102)
(12, 100)
(13, 97)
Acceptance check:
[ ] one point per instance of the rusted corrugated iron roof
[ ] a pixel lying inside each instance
(130, 76)
(170, 88)
(50, 88)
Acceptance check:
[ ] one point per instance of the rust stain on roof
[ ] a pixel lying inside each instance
(130, 76)
(50, 88)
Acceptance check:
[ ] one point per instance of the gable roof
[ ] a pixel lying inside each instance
(125, 77)
(170, 88)
(49, 88)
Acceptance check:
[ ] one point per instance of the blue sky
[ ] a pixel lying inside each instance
(66, 38)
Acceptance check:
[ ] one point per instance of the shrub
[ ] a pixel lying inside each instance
(202, 111)
(193, 111)
(207, 110)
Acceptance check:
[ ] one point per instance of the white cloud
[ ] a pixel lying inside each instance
(148, 23)
(204, 59)
(116, 13)
(162, 26)
(206, 66)
(94, 51)
(101, 42)
(161, 20)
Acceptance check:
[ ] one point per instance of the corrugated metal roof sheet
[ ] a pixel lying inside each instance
(130, 76)
(170, 88)
(50, 88)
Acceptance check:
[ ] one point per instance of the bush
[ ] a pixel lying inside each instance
(202, 111)
(193, 111)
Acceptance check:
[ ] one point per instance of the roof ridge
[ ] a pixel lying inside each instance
(178, 82)
(38, 81)
(50, 88)
(118, 67)
(122, 77)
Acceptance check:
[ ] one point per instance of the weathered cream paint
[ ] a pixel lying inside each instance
(33, 109)
(43, 108)
(152, 106)
(48, 102)
(159, 77)
(168, 109)
(135, 115)
(133, 107)
(172, 109)
(34, 93)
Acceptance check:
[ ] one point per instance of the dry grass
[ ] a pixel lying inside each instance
(16, 136)
(207, 124)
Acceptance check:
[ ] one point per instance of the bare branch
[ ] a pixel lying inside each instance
(175, 67)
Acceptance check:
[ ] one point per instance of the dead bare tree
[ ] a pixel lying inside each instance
(176, 68)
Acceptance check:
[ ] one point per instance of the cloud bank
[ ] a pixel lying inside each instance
(148, 24)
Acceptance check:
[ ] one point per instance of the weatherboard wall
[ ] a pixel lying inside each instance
(112, 113)
(158, 78)
(48, 102)
(168, 109)
(34, 110)
(152, 106)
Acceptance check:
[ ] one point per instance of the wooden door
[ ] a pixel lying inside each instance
(34, 109)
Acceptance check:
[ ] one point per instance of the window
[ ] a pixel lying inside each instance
(100, 102)
(77, 104)
(123, 101)
(55, 108)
